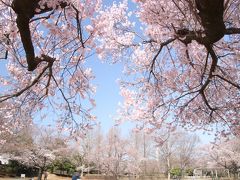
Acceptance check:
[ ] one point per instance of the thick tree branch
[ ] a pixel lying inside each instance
(25, 10)
(211, 14)
(35, 81)
(230, 31)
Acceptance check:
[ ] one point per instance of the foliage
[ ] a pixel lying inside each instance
(16, 168)
(175, 172)
(189, 172)
(61, 165)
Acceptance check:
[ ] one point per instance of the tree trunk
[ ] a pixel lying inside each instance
(235, 176)
(211, 14)
(228, 173)
(114, 176)
(40, 172)
(169, 168)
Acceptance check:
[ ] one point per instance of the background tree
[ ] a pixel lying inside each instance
(186, 151)
(38, 149)
(11, 128)
(17, 140)
(145, 151)
(226, 154)
(113, 155)
(177, 153)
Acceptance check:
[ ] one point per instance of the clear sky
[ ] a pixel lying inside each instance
(107, 96)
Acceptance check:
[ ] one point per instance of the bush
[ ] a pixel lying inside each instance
(14, 168)
(63, 167)
(175, 172)
(189, 172)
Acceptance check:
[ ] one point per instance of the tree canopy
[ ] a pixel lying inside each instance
(182, 61)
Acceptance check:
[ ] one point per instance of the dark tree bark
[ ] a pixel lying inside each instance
(40, 173)
(25, 10)
(211, 14)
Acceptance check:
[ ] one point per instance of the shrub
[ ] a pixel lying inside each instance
(175, 172)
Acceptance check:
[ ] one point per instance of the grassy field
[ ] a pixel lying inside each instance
(50, 177)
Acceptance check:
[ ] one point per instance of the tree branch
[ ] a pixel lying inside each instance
(35, 81)
(230, 31)
(158, 52)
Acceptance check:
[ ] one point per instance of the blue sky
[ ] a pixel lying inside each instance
(107, 96)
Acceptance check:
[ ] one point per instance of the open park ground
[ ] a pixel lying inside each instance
(55, 177)
(50, 177)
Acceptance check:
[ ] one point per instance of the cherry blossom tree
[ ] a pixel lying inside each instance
(183, 62)
(144, 150)
(10, 125)
(5, 132)
(177, 151)
(37, 148)
(114, 155)
(13, 131)
(18, 140)
(88, 150)
(37, 157)
(57, 38)
(226, 154)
